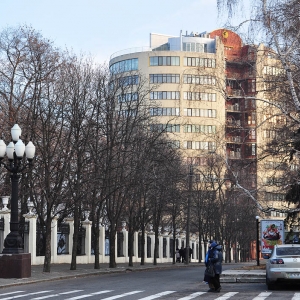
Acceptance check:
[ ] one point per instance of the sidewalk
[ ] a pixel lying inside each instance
(62, 271)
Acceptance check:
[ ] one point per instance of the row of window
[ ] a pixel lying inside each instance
(197, 112)
(129, 80)
(270, 70)
(198, 161)
(187, 128)
(164, 61)
(174, 95)
(165, 111)
(199, 145)
(165, 127)
(191, 112)
(274, 196)
(199, 96)
(194, 47)
(128, 97)
(200, 128)
(199, 79)
(163, 95)
(126, 65)
(164, 78)
(273, 134)
(199, 62)
(195, 145)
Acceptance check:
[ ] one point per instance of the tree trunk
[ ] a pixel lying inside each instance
(75, 238)
(130, 245)
(47, 260)
(112, 249)
(96, 245)
(155, 246)
(143, 245)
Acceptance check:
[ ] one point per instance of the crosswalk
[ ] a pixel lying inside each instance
(139, 295)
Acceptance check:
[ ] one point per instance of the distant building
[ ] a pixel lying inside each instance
(207, 85)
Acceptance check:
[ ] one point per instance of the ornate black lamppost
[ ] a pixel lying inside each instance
(15, 150)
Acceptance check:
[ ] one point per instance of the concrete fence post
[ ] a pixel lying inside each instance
(31, 218)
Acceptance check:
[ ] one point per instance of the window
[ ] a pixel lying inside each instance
(194, 47)
(164, 61)
(124, 66)
(164, 111)
(200, 145)
(164, 78)
(199, 62)
(196, 112)
(200, 128)
(165, 127)
(162, 95)
(274, 196)
(197, 96)
(128, 97)
(129, 80)
(175, 144)
(199, 79)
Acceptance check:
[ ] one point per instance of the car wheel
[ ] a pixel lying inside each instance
(270, 284)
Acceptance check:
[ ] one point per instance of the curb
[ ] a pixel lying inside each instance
(228, 279)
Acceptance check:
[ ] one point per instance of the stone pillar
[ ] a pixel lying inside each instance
(136, 246)
(167, 237)
(5, 214)
(54, 240)
(70, 221)
(125, 245)
(152, 236)
(31, 218)
(102, 241)
(88, 238)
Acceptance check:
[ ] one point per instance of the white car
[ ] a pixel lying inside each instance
(283, 265)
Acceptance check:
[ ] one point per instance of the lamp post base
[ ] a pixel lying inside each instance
(15, 265)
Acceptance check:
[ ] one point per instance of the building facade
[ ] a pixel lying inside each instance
(207, 89)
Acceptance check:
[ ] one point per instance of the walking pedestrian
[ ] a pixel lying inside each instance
(216, 258)
(182, 253)
(207, 278)
(177, 254)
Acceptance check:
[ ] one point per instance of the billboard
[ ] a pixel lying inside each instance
(272, 233)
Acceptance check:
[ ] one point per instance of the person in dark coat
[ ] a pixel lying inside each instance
(182, 253)
(208, 279)
(216, 258)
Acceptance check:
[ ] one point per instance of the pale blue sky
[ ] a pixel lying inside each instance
(100, 27)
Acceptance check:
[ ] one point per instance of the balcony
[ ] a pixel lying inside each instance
(233, 123)
(234, 139)
(234, 154)
(234, 107)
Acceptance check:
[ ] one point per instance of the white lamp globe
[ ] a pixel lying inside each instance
(20, 148)
(2, 148)
(10, 149)
(30, 150)
(16, 132)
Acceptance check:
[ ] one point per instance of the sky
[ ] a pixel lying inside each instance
(102, 27)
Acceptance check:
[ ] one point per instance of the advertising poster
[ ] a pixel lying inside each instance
(272, 233)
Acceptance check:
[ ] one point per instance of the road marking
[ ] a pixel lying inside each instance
(296, 296)
(29, 294)
(12, 293)
(56, 295)
(262, 296)
(89, 295)
(157, 295)
(122, 295)
(192, 296)
(226, 296)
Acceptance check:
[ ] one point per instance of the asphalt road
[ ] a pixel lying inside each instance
(180, 284)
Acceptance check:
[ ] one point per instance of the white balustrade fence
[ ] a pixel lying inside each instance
(61, 243)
